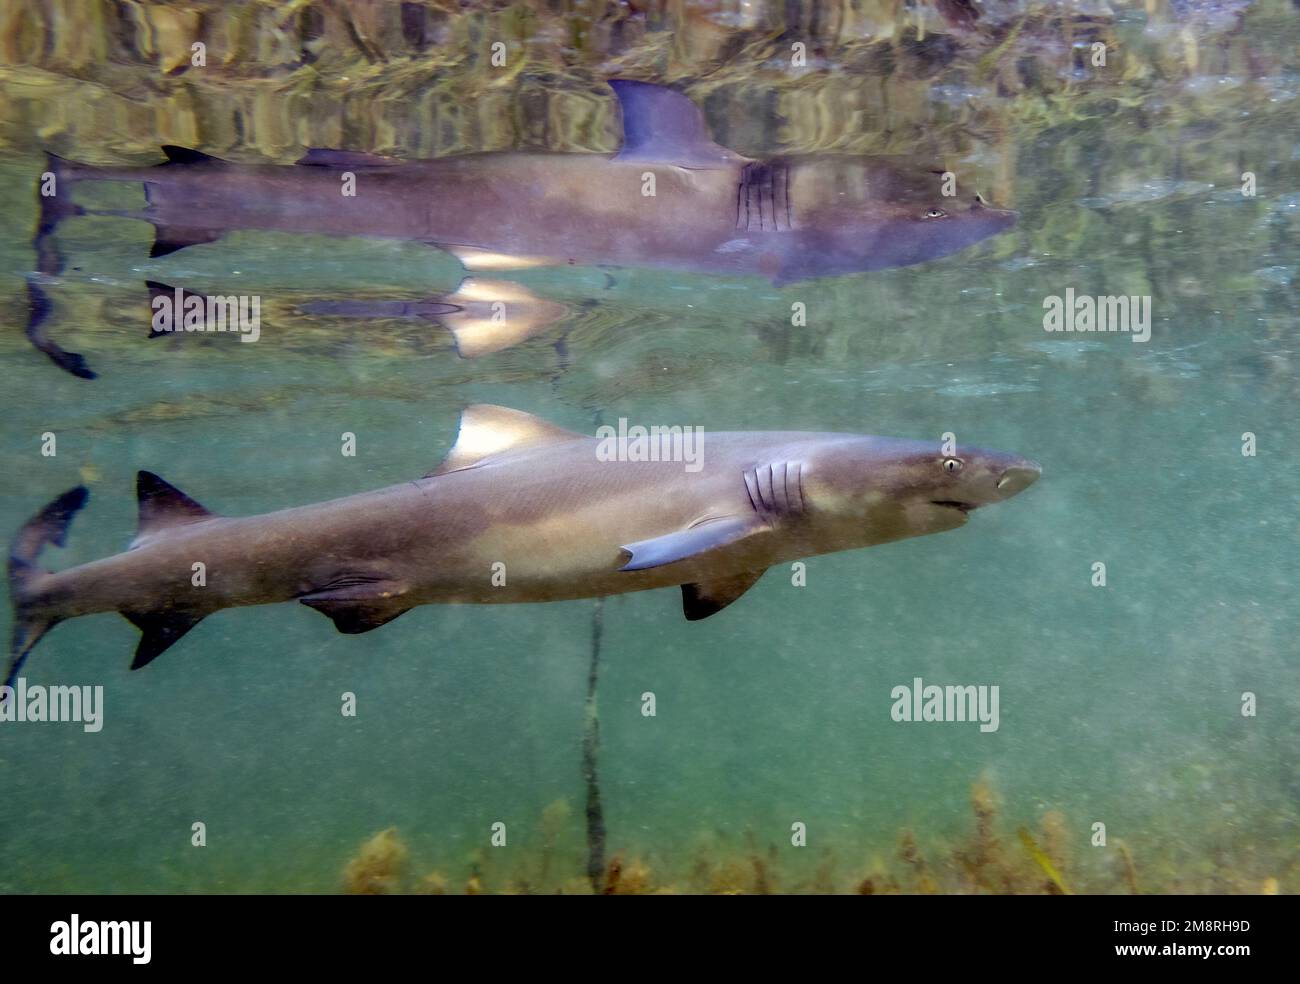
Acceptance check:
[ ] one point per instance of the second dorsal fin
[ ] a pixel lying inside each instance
(163, 506)
(487, 430)
(662, 126)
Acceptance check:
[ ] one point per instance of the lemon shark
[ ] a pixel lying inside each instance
(519, 511)
(669, 198)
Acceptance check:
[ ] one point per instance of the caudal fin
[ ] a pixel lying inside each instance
(32, 619)
(163, 507)
(53, 204)
(39, 309)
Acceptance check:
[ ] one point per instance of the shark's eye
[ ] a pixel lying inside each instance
(952, 464)
(934, 213)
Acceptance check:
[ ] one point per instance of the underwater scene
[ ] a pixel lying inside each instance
(651, 447)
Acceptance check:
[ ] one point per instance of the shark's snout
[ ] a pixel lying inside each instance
(996, 478)
(1016, 478)
(1000, 218)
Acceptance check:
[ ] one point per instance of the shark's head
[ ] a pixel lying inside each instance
(891, 489)
(948, 225)
(869, 214)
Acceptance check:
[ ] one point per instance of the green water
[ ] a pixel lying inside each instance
(1120, 704)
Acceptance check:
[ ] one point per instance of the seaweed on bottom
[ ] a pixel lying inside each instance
(1048, 857)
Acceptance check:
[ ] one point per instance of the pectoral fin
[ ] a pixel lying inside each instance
(710, 597)
(359, 604)
(689, 542)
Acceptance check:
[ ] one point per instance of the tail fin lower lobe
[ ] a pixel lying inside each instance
(31, 619)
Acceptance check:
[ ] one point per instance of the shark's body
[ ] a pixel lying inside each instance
(669, 198)
(785, 219)
(520, 511)
(710, 210)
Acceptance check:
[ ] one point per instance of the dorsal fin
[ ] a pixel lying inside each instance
(663, 126)
(186, 155)
(487, 430)
(475, 322)
(163, 506)
(477, 258)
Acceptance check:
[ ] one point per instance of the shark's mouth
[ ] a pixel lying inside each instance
(954, 504)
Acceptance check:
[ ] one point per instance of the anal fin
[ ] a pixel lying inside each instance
(168, 239)
(710, 597)
(158, 289)
(161, 631)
